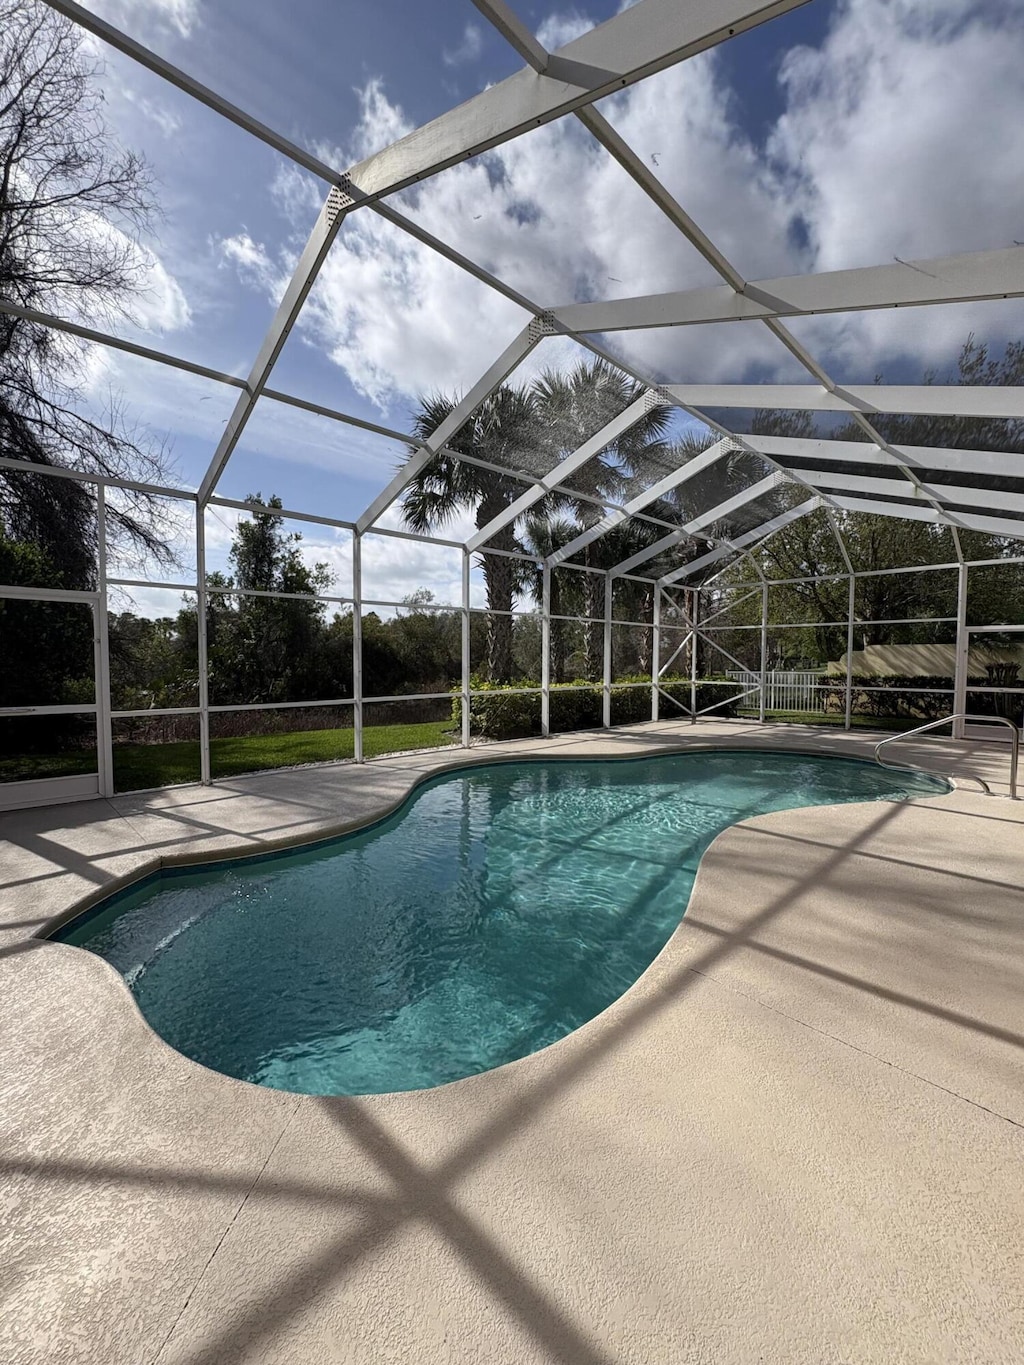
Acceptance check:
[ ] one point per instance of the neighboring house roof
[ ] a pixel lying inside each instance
(932, 660)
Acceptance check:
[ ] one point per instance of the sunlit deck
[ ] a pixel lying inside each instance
(798, 1136)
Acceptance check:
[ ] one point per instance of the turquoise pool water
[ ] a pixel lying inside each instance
(497, 910)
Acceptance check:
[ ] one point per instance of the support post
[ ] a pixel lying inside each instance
(466, 641)
(104, 725)
(693, 655)
(963, 647)
(357, 647)
(656, 655)
(851, 602)
(606, 700)
(764, 651)
(545, 651)
(203, 647)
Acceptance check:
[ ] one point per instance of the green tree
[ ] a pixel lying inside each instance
(807, 548)
(268, 648)
(46, 653)
(573, 407)
(504, 431)
(427, 641)
(541, 537)
(531, 430)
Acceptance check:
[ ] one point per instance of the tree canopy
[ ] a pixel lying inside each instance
(73, 205)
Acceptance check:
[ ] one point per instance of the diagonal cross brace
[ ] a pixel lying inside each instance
(691, 528)
(679, 476)
(742, 542)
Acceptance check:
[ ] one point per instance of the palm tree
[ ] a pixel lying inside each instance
(531, 429)
(574, 407)
(502, 430)
(540, 537)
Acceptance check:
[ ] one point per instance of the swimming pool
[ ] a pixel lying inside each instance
(496, 910)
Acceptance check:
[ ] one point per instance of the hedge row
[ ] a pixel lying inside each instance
(501, 712)
(931, 697)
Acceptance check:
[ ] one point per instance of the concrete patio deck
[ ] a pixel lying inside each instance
(798, 1138)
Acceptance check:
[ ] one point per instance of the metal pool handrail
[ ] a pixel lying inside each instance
(959, 715)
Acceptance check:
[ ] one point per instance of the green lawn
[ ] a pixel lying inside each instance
(67, 763)
(158, 765)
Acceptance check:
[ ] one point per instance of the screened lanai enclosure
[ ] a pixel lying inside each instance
(736, 478)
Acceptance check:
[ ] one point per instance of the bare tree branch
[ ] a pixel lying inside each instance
(73, 203)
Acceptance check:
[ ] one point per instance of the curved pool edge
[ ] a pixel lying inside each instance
(646, 982)
(327, 833)
(646, 991)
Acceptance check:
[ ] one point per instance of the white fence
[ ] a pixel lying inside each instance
(784, 690)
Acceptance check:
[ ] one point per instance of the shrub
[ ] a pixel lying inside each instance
(930, 697)
(995, 703)
(504, 712)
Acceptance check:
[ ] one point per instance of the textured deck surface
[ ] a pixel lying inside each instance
(798, 1138)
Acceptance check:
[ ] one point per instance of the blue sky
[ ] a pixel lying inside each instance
(842, 134)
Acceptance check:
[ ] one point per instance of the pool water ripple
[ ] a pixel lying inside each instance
(499, 908)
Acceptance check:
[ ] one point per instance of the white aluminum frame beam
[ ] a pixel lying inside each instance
(639, 41)
(325, 229)
(982, 498)
(515, 32)
(964, 520)
(1006, 464)
(940, 400)
(966, 278)
(609, 433)
(679, 476)
(994, 526)
(750, 538)
(691, 528)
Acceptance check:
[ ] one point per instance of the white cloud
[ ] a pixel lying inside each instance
(904, 138)
(903, 135)
(398, 320)
(468, 50)
(904, 132)
(157, 302)
(563, 27)
(394, 567)
(253, 263)
(150, 17)
(156, 110)
(160, 305)
(380, 123)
